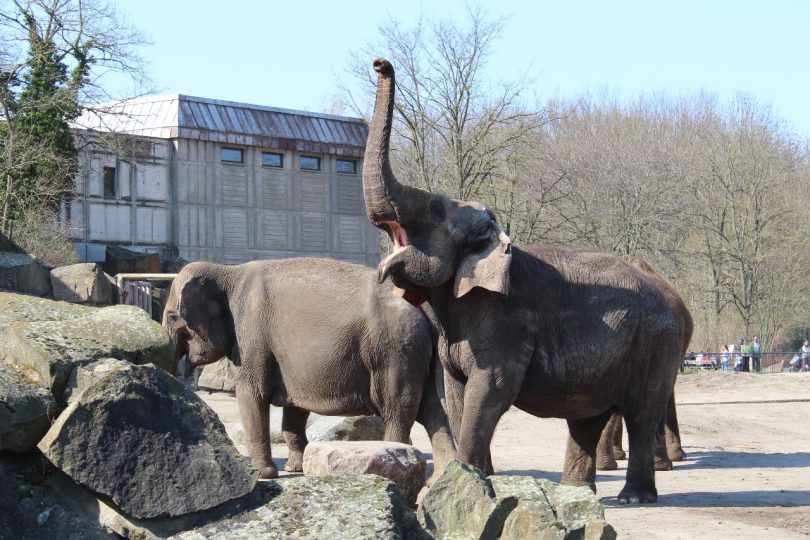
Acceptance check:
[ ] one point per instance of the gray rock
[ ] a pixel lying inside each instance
(401, 463)
(26, 410)
(21, 307)
(362, 507)
(23, 273)
(83, 283)
(219, 376)
(47, 351)
(142, 439)
(85, 375)
(549, 510)
(317, 507)
(462, 504)
(31, 509)
(346, 428)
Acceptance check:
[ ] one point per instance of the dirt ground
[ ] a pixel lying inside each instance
(747, 474)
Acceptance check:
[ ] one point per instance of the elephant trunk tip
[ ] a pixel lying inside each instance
(383, 67)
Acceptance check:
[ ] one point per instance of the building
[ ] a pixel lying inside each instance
(220, 181)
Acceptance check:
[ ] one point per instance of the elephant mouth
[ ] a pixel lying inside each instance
(400, 238)
(181, 341)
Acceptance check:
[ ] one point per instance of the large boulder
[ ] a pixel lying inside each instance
(346, 428)
(31, 509)
(462, 504)
(366, 506)
(401, 463)
(23, 273)
(82, 283)
(86, 375)
(22, 307)
(219, 376)
(549, 510)
(47, 351)
(26, 410)
(142, 439)
(303, 507)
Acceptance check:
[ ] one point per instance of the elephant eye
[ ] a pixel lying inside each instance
(478, 245)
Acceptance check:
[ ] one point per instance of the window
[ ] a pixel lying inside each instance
(231, 155)
(310, 163)
(346, 166)
(108, 181)
(272, 159)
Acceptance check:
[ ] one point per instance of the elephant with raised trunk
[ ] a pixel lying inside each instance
(311, 335)
(554, 330)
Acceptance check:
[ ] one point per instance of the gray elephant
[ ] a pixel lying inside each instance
(310, 335)
(553, 330)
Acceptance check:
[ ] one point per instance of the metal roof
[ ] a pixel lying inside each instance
(181, 116)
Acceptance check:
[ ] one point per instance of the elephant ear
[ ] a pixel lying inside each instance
(487, 268)
(197, 307)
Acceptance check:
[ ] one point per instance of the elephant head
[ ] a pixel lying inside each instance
(197, 316)
(436, 239)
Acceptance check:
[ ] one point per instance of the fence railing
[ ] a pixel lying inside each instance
(137, 289)
(771, 362)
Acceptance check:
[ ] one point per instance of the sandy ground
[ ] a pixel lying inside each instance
(747, 474)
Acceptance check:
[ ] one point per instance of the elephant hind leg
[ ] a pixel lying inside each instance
(673, 433)
(618, 453)
(432, 416)
(580, 456)
(294, 429)
(605, 457)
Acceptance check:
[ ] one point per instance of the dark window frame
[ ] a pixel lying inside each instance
(108, 177)
(280, 156)
(353, 163)
(233, 149)
(317, 160)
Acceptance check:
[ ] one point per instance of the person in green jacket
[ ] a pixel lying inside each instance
(745, 352)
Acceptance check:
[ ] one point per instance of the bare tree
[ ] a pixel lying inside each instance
(450, 130)
(54, 60)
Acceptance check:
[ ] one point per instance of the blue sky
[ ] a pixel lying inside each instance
(288, 54)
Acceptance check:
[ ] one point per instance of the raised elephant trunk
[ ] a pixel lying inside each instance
(387, 201)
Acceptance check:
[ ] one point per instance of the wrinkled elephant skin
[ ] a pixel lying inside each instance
(311, 335)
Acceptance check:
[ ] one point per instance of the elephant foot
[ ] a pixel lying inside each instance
(676, 454)
(295, 463)
(618, 453)
(663, 464)
(631, 495)
(606, 464)
(268, 472)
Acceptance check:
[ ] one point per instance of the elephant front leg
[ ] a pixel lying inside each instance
(486, 397)
(254, 410)
(294, 429)
(580, 456)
